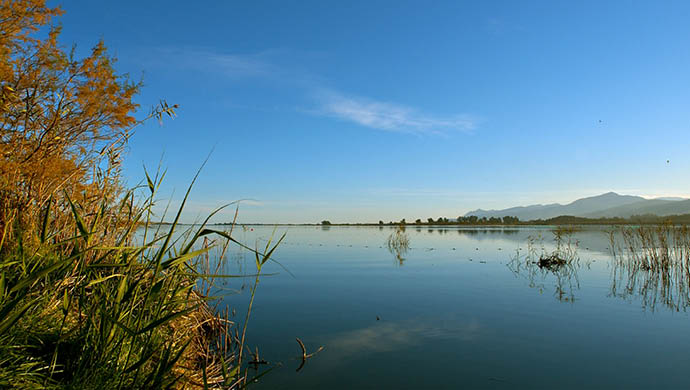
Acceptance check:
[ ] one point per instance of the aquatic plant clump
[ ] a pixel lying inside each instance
(564, 252)
(551, 262)
(654, 263)
(398, 243)
(561, 263)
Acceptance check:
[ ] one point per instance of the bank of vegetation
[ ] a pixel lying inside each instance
(92, 293)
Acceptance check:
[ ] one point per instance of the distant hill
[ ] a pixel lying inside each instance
(608, 205)
(658, 207)
(524, 213)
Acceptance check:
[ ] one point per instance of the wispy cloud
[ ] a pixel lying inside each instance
(232, 65)
(238, 65)
(284, 68)
(390, 116)
(495, 26)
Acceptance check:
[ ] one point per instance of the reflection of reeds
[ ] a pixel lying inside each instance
(565, 251)
(561, 263)
(566, 245)
(654, 263)
(398, 243)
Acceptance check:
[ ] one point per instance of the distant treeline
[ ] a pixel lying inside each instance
(471, 220)
(560, 220)
(646, 219)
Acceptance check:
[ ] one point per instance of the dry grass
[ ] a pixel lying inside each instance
(560, 265)
(398, 243)
(83, 303)
(652, 262)
(86, 313)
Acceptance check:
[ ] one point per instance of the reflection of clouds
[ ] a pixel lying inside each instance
(391, 336)
(383, 337)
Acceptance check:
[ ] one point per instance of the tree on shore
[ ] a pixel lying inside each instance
(64, 121)
(82, 303)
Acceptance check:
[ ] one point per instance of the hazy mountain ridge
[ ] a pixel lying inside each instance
(609, 204)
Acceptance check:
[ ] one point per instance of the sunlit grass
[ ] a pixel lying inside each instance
(97, 309)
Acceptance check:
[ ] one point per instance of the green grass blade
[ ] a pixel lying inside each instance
(167, 318)
(164, 248)
(7, 322)
(42, 272)
(77, 218)
(181, 259)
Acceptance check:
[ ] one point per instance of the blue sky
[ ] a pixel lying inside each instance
(373, 110)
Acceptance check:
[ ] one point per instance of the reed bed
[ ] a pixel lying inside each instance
(119, 305)
(652, 262)
(93, 293)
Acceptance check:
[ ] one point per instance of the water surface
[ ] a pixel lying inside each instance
(461, 310)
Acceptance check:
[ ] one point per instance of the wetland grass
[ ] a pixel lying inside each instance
(93, 293)
(398, 243)
(97, 309)
(652, 262)
(559, 264)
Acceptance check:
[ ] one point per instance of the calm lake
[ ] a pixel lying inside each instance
(462, 309)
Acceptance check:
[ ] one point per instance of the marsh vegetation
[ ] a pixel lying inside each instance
(398, 243)
(102, 287)
(541, 263)
(93, 292)
(652, 262)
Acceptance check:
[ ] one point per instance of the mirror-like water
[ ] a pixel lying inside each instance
(460, 308)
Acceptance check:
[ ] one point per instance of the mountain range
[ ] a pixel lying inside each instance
(609, 204)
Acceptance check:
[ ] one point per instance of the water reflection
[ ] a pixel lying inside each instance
(564, 277)
(652, 264)
(559, 265)
(463, 320)
(398, 244)
(386, 336)
(666, 287)
(488, 231)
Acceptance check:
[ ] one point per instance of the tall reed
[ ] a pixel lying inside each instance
(99, 309)
(652, 262)
(93, 294)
